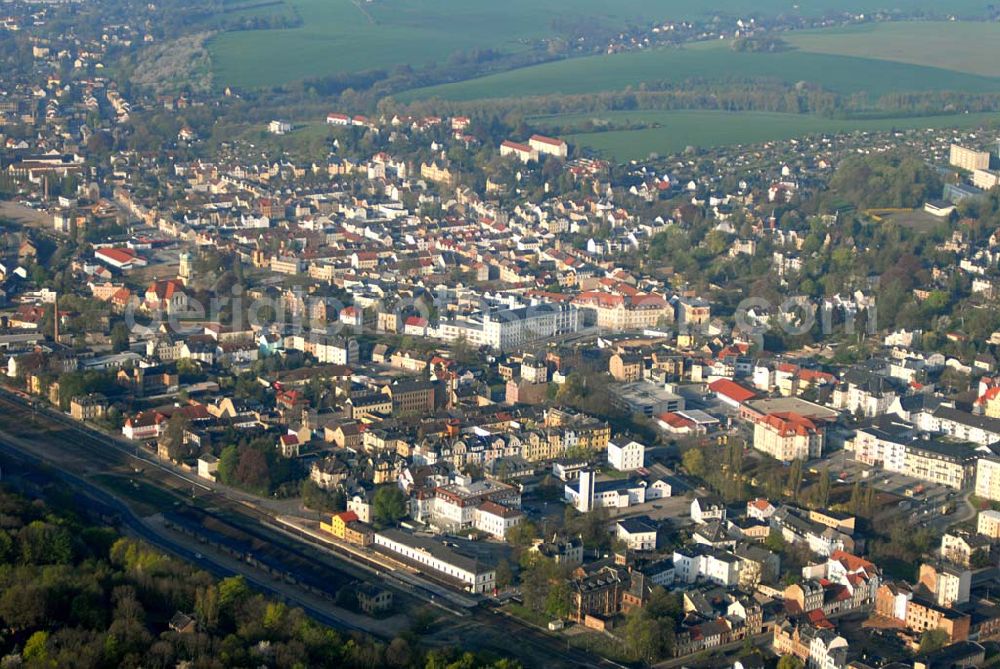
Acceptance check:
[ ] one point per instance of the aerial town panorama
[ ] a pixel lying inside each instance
(425, 334)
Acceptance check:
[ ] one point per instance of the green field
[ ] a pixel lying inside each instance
(680, 129)
(711, 61)
(964, 47)
(257, 8)
(345, 36)
(342, 36)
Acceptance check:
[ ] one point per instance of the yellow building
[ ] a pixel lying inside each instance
(942, 461)
(991, 403)
(988, 478)
(438, 173)
(788, 436)
(338, 523)
(969, 159)
(347, 527)
(989, 524)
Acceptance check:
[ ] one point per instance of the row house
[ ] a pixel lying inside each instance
(817, 646)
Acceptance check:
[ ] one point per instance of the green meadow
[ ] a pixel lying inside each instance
(709, 61)
(677, 130)
(968, 47)
(345, 35)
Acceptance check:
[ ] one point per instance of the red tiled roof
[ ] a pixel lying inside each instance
(673, 420)
(146, 419)
(117, 255)
(164, 290)
(524, 148)
(548, 140)
(818, 619)
(732, 390)
(789, 423)
(990, 394)
(812, 375)
(498, 510)
(852, 562)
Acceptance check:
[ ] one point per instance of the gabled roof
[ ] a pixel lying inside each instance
(347, 516)
(547, 140)
(117, 255)
(789, 424)
(732, 390)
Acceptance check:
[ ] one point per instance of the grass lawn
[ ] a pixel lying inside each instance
(345, 35)
(602, 645)
(144, 498)
(712, 61)
(307, 141)
(973, 48)
(679, 129)
(526, 614)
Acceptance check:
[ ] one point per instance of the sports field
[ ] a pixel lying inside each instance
(680, 129)
(352, 35)
(713, 61)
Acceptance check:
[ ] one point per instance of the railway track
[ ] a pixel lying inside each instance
(72, 452)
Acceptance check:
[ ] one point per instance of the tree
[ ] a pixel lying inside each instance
(885, 180)
(591, 527)
(206, 607)
(44, 543)
(932, 640)
(173, 437)
(399, 653)
(504, 574)
(22, 605)
(643, 637)
(857, 498)
(790, 662)
(522, 534)
(775, 541)
(35, 648)
(823, 496)
(389, 505)
(664, 604)
(795, 478)
(252, 470)
(980, 559)
(228, 460)
(232, 591)
(559, 601)
(318, 499)
(6, 546)
(694, 462)
(119, 337)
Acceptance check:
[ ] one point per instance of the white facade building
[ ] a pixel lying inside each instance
(439, 558)
(638, 533)
(627, 457)
(496, 519)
